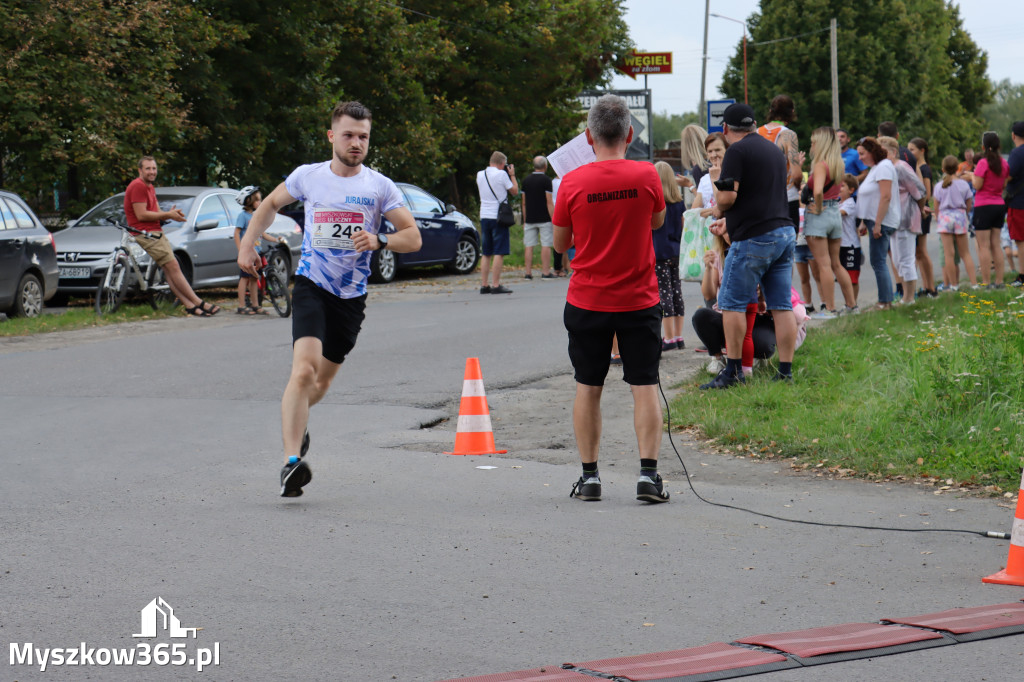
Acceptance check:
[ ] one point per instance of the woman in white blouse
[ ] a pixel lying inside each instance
(878, 212)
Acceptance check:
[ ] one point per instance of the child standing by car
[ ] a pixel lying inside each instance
(250, 199)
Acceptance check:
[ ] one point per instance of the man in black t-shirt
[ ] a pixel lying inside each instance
(753, 212)
(538, 207)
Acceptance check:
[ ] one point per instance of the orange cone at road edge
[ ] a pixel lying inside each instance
(474, 435)
(1013, 574)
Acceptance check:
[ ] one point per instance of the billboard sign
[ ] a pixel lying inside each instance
(645, 63)
(639, 103)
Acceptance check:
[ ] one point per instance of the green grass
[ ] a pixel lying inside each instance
(934, 390)
(82, 317)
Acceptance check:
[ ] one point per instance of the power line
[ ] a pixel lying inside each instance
(782, 40)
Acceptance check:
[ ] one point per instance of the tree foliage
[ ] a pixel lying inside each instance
(1007, 107)
(87, 84)
(240, 91)
(665, 126)
(908, 61)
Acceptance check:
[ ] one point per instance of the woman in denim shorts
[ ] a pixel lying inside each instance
(823, 226)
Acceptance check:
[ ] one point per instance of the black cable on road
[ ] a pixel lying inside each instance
(985, 534)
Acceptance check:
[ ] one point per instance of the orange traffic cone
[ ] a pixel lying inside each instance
(1013, 574)
(474, 435)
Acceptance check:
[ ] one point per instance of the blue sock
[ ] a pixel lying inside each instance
(590, 470)
(734, 367)
(786, 369)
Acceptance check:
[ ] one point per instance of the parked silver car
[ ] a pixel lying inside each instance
(204, 244)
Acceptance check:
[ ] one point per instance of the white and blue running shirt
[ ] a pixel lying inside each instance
(337, 208)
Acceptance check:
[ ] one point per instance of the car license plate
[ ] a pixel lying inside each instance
(74, 273)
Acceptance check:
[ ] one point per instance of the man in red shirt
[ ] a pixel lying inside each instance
(607, 209)
(143, 213)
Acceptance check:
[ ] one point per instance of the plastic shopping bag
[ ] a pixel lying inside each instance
(696, 240)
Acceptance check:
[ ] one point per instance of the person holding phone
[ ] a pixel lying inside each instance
(752, 208)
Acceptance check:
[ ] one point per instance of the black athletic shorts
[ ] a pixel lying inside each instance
(321, 314)
(590, 344)
(989, 217)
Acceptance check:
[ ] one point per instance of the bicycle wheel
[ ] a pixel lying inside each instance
(280, 297)
(157, 290)
(114, 284)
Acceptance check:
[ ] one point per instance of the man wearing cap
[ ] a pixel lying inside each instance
(1015, 197)
(751, 196)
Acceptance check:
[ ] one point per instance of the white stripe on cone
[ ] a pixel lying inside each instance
(472, 388)
(1017, 532)
(474, 423)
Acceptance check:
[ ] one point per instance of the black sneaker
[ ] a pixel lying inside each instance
(305, 445)
(779, 376)
(294, 475)
(588, 489)
(485, 290)
(500, 289)
(724, 380)
(668, 345)
(650, 490)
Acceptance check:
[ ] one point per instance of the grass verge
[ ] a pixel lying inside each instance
(934, 391)
(82, 317)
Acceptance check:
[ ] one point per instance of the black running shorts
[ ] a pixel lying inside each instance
(590, 344)
(989, 217)
(321, 314)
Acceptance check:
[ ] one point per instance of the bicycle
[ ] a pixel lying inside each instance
(124, 271)
(273, 283)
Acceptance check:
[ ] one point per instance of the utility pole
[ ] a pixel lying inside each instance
(835, 73)
(702, 113)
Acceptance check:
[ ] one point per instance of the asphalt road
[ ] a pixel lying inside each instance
(142, 461)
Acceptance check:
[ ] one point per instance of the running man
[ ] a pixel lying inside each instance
(344, 203)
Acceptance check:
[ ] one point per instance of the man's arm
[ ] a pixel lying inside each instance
(562, 238)
(511, 170)
(262, 218)
(725, 199)
(788, 143)
(551, 205)
(150, 216)
(658, 219)
(405, 239)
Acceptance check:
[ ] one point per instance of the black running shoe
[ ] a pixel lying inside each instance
(305, 445)
(651, 490)
(587, 489)
(295, 474)
(725, 379)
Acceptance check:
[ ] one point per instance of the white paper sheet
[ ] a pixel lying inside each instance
(571, 155)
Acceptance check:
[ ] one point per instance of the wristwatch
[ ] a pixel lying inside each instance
(382, 239)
